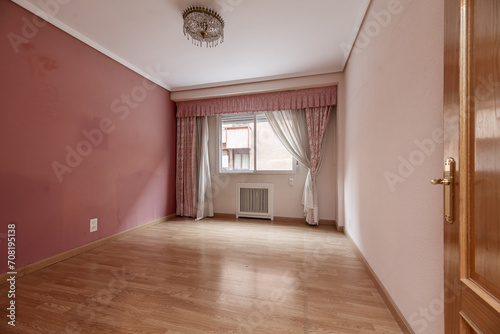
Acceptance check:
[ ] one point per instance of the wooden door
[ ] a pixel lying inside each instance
(472, 138)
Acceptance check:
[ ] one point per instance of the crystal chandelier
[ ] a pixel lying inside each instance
(203, 25)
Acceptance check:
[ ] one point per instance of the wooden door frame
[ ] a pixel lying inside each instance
(451, 109)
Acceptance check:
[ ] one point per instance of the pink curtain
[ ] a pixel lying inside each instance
(294, 99)
(317, 120)
(317, 102)
(186, 167)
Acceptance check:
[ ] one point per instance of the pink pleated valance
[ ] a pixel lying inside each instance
(295, 99)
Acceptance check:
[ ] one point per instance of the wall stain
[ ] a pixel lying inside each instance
(47, 63)
(28, 46)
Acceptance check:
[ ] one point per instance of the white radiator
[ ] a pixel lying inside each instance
(254, 200)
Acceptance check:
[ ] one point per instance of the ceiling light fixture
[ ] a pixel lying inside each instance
(203, 25)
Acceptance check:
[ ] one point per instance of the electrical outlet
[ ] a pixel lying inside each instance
(93, 225)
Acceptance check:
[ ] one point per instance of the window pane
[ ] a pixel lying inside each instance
(237, 142)
(271, 154)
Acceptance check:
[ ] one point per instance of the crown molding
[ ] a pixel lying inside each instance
(55, 22)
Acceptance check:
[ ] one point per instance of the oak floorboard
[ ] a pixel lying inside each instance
(210, 276)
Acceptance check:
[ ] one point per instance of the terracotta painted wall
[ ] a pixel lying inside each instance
(81, 136)
(393, 147)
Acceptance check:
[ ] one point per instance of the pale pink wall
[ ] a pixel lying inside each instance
(53, 88)
(392, 143)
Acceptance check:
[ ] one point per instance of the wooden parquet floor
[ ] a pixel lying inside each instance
(210, 276)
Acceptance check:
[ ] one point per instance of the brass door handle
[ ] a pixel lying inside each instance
(441, 181)
(448, 181)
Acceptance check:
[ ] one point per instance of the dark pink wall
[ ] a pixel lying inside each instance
(57, 97)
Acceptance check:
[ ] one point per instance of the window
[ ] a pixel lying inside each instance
(248, 144)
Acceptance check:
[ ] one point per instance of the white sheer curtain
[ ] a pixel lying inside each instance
(291, 128)
(294, 129)
(204, 198)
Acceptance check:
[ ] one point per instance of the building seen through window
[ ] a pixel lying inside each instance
(248, 144)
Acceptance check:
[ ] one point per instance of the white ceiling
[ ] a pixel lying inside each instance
(264, 39)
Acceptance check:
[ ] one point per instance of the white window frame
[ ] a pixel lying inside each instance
(219, 154)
